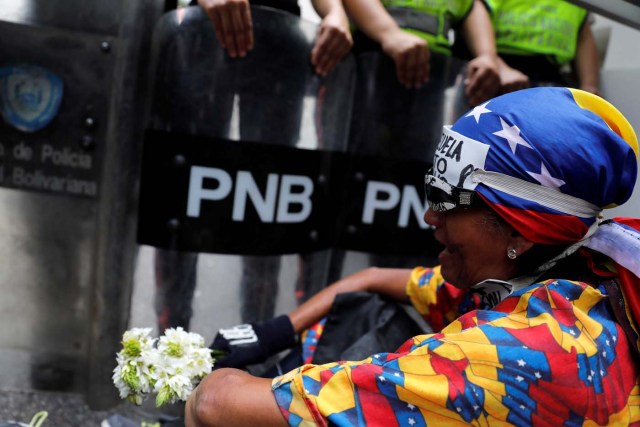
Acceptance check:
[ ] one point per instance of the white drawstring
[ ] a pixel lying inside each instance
(545, 196)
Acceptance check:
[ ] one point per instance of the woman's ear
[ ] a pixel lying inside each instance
(520, 243)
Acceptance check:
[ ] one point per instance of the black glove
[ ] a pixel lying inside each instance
(252, 343)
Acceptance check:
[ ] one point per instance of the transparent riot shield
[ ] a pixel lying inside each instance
(270, 97)
(69, 91)
(391, 121)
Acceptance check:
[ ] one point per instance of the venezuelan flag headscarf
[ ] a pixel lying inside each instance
(552, 159)
(548, 161)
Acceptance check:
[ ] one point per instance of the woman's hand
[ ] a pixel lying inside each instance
(333, 42)
(411, 56)
(253, 343)
(232, 23)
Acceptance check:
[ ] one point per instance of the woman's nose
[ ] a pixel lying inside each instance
(436, 219)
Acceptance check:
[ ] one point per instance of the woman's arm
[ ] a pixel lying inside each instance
(386, 281)
(230, 397)
(277, 334)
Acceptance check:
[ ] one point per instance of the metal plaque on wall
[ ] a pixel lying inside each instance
(53, 105)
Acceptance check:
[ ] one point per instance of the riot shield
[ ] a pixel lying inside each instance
(390, 120)
(69, 91)
(271, 96)
(393, 122)
(206, 110)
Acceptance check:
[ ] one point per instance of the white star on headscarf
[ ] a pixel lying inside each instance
(512, 135)
(478, 111)
(545, 178)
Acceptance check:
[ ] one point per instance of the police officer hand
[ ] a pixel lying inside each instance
(483, 79)
(248, 344)
(333, 42)
(232, 23)
(411, 55)
(512, 79)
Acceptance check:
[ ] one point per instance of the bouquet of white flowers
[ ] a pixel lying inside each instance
(170, 366)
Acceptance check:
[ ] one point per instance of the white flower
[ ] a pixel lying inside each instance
(172, 388)
(172, 369)
(134, 376)
(200, 363)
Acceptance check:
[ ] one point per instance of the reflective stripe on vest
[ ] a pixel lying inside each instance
(429, 19)
(417, 20)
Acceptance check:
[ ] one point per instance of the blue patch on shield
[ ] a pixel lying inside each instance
(30, 96)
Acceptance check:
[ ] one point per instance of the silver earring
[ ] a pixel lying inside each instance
(512, 253)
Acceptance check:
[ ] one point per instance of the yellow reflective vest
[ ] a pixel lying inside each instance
(537, 27)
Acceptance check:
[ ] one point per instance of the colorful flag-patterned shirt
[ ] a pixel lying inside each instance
(549, 354)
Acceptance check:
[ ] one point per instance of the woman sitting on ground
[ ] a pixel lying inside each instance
(550, 290)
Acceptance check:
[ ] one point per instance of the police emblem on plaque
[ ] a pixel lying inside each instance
(30, 96)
